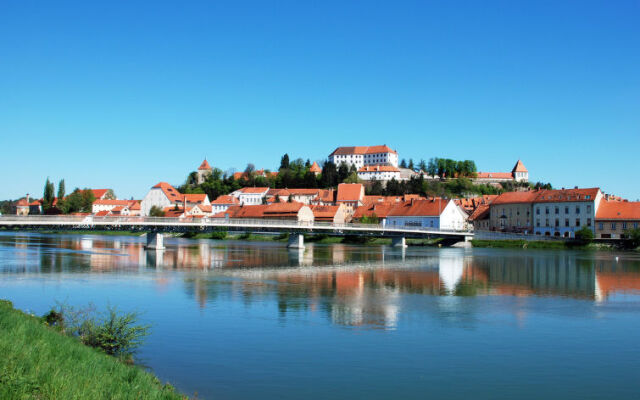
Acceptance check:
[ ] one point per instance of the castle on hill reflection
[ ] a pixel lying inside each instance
(352, 285)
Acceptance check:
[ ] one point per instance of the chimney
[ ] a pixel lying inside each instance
(27, 198)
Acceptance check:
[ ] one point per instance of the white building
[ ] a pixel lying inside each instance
(378, 173)
(364, 155)
(433, 213)
(565, 211)
(222, 203)
(250, 195)
(161, 195)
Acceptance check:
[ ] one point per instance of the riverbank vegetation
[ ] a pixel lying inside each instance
(42, 359)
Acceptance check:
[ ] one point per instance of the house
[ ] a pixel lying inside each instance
(164, 195)
(614, 218)
(102, 194)
(108, 205)
(222, 203)
(512, 212)
(378, 173)
(519, 173)
(364, 155)
(334, 214)
(22, 206)
(315, 169)
(204, 170)
(200, 210)
(275, 211)
(351, 195)
(378, 210)
(305, 196)
(325, 197)
(562, 212)
(479, 218)
(273, 195)
(427, 214)
(250, 195)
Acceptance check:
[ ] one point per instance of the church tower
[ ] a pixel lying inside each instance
(520, 172)
(203, 170)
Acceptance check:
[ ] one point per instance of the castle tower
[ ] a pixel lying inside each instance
(203, 170)
(520, 172)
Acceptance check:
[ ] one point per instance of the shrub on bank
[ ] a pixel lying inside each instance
(41, 363)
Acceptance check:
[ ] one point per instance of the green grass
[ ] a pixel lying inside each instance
(523, 244)
(37, 362)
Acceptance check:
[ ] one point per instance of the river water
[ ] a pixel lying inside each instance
(239, 320)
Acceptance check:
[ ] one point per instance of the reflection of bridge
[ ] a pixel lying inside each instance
(155, 226)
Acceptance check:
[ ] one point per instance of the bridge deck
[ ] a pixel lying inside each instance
(204, 224)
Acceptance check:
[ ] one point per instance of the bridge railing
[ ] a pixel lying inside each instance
(91, 220)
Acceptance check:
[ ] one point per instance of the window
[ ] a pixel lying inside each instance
(546, 222)
(624, 225)
(613, 226)
(546, 211)
(557, 210)
(577, 222)
(635, 225)
(538, 223)
(577, 209)
(566, 222)
(566, 210)
(557, 222)
(537, 211)
(588, 208)
(600, 226)
(588, 221)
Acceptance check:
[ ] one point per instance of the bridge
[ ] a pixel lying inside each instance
(156, 226)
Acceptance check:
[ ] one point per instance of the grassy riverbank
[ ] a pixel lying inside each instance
(37, 362)
(548, 244)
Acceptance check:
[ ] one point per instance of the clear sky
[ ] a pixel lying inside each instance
(126, 94)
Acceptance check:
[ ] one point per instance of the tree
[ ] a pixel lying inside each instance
(47, 197)
(403, 163)
(432, 167)
(61, 190)
(156, 211)
(352, 178)
(192, 179)
(307, 164)
(410, 165)
(343, 172)
(584, 235)
(284, 161)
(329, 176)
(633, 237)
(422, 166)
(110, 195)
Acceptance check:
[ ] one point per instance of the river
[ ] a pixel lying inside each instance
(240, 320)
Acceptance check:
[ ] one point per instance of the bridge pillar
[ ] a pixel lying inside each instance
(399, 241)
(155, 241)
(296, 241)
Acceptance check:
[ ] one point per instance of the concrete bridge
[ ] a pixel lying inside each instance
(156, 226)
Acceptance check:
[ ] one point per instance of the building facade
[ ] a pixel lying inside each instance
(562, 212)
(615, 218)
(364, 155)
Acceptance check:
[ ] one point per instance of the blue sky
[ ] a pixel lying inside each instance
(126, 94)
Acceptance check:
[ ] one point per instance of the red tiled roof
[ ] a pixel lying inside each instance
(481, 212)
(226, 199)
(303, 192)
(515, 197)
(324, 212)
(282, 209)
(169, 191)
(171, 212)
(326, 195)
(135, 205)
(378, 168)
(618, 210)
(97, 193)
(494, 175)
(204, 208)
(118, 208)
(350, 192)
(112, 202)
(315, 167)
(380, 210)
(249, 190)
(204, 166)
(362, 150)
(519, 167)
(565, 195)
(420, 208)
(194, 197)
(22, 203)
(102, 213)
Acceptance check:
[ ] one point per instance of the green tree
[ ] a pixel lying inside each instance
(48, 195)
(352, 178)
(410, 165)
(403, 163)
(422, 166)
(633, 237)
(156, 211)
(110, 195)
(343, 172)
(584, 235)
(284, 161)
(61, 190)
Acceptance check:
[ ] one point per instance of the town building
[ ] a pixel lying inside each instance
(479, 218)
(108, 205)
(222, 203)
(22, 206)
(364, 155)
(297, 212)
(204, 170)
(562, 212)
(251, 195)
(519, 173)
(334, 214)
(428, 214)
(351, 195)
(614, 218)
(315, 169)
(378, 172)
(512, 212)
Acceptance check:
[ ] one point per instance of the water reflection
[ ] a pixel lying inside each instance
(351, 285)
